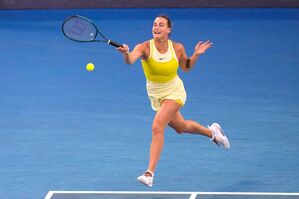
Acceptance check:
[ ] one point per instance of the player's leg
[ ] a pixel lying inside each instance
(214, 131)
(162, 118)
(165, 114)
(180, 125)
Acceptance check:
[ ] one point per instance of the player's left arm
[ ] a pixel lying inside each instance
(186, 62)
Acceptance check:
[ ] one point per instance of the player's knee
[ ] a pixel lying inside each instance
(157, 128)
(180, 129)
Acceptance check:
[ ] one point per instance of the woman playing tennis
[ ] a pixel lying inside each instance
(161, 58)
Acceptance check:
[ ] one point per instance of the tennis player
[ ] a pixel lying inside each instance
(160, 58)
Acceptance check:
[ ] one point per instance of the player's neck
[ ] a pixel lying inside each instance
(161, 45)
(161, 39)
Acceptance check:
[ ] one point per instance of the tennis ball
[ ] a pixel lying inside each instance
(89, 67)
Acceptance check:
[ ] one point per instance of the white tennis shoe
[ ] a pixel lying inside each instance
(218, 136)
(147, 178)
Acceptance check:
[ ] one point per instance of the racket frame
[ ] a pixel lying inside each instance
(105, 39)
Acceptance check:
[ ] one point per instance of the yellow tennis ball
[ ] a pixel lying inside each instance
(90, 67)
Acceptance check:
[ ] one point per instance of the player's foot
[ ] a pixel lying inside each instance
(218, 136)
(147, 178)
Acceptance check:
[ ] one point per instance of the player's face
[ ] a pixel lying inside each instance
(160, 28)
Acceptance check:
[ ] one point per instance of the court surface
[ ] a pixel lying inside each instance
(65, 129)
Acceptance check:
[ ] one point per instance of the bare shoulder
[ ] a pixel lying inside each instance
(142, 46)
(178, 48)
(146, 44)
(145, 48)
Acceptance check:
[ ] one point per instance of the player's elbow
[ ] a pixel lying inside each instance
(129, 62)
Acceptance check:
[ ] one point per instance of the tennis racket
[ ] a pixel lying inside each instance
(81, 29)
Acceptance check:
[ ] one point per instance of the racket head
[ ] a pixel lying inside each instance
(80, 29)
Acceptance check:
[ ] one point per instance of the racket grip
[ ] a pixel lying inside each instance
(113, 43)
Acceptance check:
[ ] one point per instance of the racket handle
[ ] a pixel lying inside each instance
(113, 43)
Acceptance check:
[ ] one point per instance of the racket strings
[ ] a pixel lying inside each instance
(79, 29)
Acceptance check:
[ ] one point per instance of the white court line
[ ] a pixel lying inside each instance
(192, 194)
(122, 192)
(49, 195)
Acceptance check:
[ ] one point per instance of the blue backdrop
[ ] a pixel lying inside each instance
(63, 128)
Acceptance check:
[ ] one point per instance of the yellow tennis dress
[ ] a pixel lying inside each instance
(162, 80)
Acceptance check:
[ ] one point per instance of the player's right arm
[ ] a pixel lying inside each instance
(136, 53)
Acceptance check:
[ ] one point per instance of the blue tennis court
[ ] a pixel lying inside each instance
(63, 128)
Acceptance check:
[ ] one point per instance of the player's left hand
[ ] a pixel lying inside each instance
(201, 47)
